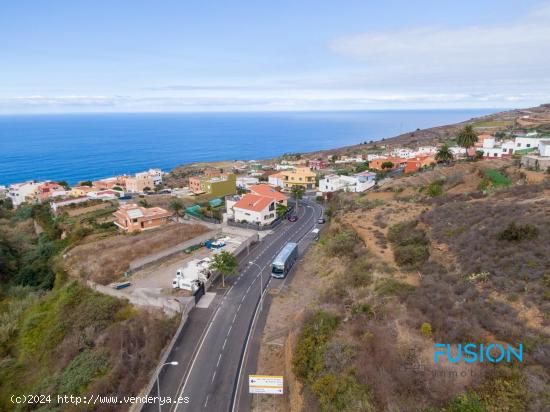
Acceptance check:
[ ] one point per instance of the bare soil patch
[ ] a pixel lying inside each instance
(105, 260)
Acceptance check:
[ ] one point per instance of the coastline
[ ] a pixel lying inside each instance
(65, 157)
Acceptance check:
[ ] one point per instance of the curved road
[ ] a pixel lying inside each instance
(212, 343)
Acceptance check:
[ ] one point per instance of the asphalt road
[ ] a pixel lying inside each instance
(212, 343)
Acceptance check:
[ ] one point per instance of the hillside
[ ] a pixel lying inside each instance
(530, 118)
(57, 336)
(455, 255)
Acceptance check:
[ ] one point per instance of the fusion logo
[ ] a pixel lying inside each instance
(472, 352)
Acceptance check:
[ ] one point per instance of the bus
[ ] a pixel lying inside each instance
(284, 260)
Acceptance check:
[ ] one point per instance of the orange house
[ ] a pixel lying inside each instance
(133, 218)
(397, 162)
(417, 163)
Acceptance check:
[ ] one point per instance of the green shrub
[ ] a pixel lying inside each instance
(363, 309)
(466, 403)
(434, 189)
(496, 178)
(342, 393)
(388, 287)
(308, 360)
(342, 243)
(82, 370)
(426, 330)
(517, 233)
(359, 273)
(410, 244)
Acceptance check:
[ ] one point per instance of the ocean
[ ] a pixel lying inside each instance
(76, 147)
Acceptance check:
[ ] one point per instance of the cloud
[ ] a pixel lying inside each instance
(470, 56)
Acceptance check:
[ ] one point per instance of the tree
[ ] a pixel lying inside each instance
(146, 189)
(177, 207)
(466, 137)
(224, 263)
(444, 154)
(281, 209)
(334, 158)
(297, 193)
(86, 183)
(64, 184)
(387, 165)
(117, 188)
(144, 203)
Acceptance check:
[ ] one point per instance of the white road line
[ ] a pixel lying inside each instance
(224, 342)
(219, 359)
(213, 376)
(206, 401)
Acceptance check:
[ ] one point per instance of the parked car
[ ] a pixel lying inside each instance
(292, 218)
(321, 220)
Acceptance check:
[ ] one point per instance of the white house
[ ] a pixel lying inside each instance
(252, 209)
(22, 192)
(154, 174)
(283, 166)
(426, 150)
(530, 140)
(276, 179)
(56, 204)
(544, 147)
(457, 150)
(355, 183)
(493, 149)
(108, 194)
(373, 156)
(403, 153)
(245, 182)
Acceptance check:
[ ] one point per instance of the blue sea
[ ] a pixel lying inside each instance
(78, 147)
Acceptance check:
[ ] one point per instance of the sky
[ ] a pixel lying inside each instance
(67, 56)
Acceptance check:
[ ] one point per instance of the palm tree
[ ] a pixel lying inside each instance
(225, 263)
(281, 209)
(177, 207)
(467, 137)
(444, 154)
(297, 194)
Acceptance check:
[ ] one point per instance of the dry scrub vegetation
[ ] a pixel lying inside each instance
(420, 267)
(105, 260)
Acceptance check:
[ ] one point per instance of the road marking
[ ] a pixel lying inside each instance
(206, 401)
(219, 359)
(242, 362)
(199, 347)
(224, 342)
(273, 240)
(213, 376)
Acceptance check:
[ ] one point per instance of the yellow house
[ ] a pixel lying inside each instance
(301, 176)
(79, 191)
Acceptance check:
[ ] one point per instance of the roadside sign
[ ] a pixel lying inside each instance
(265, 384)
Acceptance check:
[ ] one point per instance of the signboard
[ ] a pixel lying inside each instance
(265, 384)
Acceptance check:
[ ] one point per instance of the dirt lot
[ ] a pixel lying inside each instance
(105, 260)
(77, 211)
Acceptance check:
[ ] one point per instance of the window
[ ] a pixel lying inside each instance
(528, 144)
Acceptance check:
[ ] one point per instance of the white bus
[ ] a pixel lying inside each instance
(284, 260)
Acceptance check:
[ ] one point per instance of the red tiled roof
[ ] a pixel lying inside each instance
(253, 202)
(267, 191)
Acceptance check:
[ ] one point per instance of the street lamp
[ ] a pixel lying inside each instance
(174, 363)
(261, 284)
